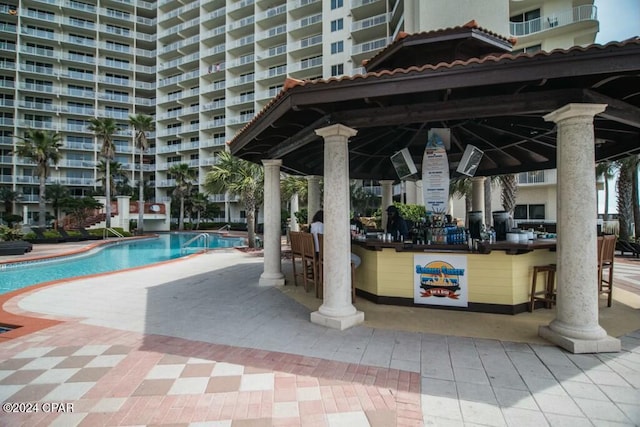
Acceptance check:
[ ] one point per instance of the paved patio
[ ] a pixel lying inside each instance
(198, 342)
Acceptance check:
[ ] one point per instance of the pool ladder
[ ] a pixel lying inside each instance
(202, 236)
(112, 231)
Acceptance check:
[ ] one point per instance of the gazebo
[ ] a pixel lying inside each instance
(565, 109)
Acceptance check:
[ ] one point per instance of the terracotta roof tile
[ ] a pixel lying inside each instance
(291, 83)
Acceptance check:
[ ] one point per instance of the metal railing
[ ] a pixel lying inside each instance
(112, 231)
(202, 236)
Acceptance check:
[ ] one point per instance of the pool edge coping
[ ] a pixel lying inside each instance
(28, 322)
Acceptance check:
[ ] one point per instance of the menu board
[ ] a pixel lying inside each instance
(435, 175)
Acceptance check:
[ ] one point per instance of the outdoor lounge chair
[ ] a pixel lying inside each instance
(41, 238)
(86, 235)
(625, 246)
(15, 247)
(67, 237)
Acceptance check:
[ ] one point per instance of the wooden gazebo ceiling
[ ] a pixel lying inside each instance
(495, 103)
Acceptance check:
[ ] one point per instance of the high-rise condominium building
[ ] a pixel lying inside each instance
(204, 68)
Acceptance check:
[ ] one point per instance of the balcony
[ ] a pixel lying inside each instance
(542, 177)
(556, 20)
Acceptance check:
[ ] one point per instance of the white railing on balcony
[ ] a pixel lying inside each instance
(370, 22)
(544, 23)
(534, 177)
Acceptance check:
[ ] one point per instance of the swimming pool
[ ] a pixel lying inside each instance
(107, 258)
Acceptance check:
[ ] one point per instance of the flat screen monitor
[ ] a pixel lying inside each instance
(403, 164)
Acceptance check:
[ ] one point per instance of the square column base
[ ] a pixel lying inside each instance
(605, 345)
(271, 280)
(340, 323)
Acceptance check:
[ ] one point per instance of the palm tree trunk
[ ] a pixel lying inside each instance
(636, 205)
(42, 202)
(606, 199)
(487, 201)
(181, 219)
(140, 200)
(107, 193)
(251, 228)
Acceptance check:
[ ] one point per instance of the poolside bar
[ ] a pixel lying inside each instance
(496, 278)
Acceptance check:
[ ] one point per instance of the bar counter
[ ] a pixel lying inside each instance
(496, 278)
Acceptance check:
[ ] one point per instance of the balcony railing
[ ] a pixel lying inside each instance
(544, 23)
(535, 177)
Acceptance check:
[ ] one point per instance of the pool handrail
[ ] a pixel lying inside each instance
(112, 231)
(204, 236)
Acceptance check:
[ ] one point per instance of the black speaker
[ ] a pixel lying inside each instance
(470, 160)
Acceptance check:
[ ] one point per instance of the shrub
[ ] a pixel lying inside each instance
(8, 234)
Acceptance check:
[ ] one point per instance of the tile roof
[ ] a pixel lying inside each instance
(292, 83)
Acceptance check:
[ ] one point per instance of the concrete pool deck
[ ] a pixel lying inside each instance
(198, 341)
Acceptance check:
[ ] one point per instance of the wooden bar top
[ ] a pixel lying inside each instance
(483, 247)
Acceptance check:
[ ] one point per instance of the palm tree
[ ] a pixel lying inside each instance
(241, 178)
(606, 170)
(115, 175)
(142, 124)
(462, 187)
(184, 177)
(197, 205)
(8, 198)
(104, 129)
(43, 148)
(57, 194)
(625, 195)
(509, 185)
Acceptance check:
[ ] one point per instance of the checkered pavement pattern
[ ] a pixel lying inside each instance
(122, 378)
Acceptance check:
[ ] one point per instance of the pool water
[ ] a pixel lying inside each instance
(111, 257)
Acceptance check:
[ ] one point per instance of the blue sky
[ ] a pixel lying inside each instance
(619, 20)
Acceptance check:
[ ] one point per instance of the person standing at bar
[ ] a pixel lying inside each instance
(396, 225)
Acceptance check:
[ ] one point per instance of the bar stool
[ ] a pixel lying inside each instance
(548, 294)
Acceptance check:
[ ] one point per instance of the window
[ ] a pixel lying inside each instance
(119, 47)
(79, 56)
(37, 101)
(41, 14)
(39, 31)
(337, 47)
(336, 4)
(337, 70)
(114, 29)
(174, 159)
(528, 212)
(79, 71)
(79, 22)
(119, 14)
(37, 119)
(337, 25)
(525, 23)
(39, 84)
(78, 123)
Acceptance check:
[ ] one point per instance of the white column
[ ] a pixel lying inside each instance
(294, 208)
(410, 191)
(313, 196)
(477, 194)
(387, 199)
(123, 212)
(272, 274)
(419, 194)
(336, 310)
(576, 326)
